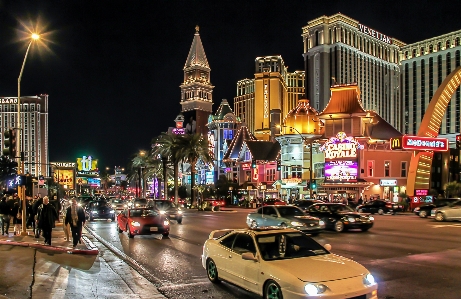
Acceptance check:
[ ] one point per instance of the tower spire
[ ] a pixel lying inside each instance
(196, 55)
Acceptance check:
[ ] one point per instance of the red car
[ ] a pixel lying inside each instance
(213, 204)
(274, 202)
(143, 221)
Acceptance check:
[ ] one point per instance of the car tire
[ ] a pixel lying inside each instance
(253, 224)
(119, 229)
(360, 210)
(364, 229)
(283, 225)
(179, 220)
(272, 290)
(440, 217)
(380, 211)
(131, 236)
(212, 271)
(165, 235)
(422, 214)
(339, 226)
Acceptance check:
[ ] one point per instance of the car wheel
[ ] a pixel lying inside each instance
(283, 225)
(440, 217)
(119, 229)
(422, 214)
(272, 290)
(179, 220)
(364, 229)
(339, 226)
(253, 224)
(380, 211)
(212, 271)
(360, 210)
(165, 235)
(131, 236)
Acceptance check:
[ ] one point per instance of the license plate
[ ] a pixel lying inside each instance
(154, 229)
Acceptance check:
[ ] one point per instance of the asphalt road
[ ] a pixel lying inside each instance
(410, 257)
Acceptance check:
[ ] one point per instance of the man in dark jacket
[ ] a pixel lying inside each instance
(46, 219)
(76, 218)
(37, 203)
(5, 212)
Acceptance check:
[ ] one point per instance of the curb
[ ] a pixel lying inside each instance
(92, 251)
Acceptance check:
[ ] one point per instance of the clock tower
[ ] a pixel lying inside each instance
(196, 90)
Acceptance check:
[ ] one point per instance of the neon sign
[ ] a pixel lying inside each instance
(255, 174)
(211, 144)
(341, 171)
(421, 192)
(179, 131)
(407, 142)
(341, 146)
(87, 163)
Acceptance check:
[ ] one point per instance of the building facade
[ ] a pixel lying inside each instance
(34, 130)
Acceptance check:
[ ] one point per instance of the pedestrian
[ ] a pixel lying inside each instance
(65, 224)
(47, 218)
(56, 203)
(75, 217)
(16, 212)
(5, 212)
(35, 210)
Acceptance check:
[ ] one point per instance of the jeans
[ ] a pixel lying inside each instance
(5, 221)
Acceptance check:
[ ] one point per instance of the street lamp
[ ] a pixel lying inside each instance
(21, 189)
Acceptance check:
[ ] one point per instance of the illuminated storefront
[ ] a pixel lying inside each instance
(87, 175)
(63, 174)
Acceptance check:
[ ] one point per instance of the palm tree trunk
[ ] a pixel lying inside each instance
(175, 175)
(165, 181)
(192, 184)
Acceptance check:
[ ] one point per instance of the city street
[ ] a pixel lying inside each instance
(409, 256)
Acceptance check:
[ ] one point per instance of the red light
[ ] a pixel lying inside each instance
(458, 137)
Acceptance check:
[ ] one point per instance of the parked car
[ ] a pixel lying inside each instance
(167, 208)
(451, 211)
(306, 203)
(99, 209)
(285, 216)
(284, 263)
(425, 209)
(379, 206)
(213, 204)
(142, 221)
(339, 217)
(274, 202)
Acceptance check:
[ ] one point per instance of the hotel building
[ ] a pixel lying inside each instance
(34, 130)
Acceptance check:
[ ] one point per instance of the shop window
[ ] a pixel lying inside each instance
(370, 168)
(296, 172)
(248, 176)
(270, 175)
(228, 134)
(387, 168)
(403, 169)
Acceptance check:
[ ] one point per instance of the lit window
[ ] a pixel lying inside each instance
(370, 168)
(387, 168)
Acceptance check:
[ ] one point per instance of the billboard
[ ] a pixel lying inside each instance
(340, 147)
(341, 171)
(87, 163)
(64, 177)
(408, 142)
(94, 182)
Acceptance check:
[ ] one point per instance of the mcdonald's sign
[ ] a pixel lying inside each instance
(417, 143)
(396, 143)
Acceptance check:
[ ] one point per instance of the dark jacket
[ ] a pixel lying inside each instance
(15, 211)
(80, 215)
(4, 208)
(35, 205)
(47, 216)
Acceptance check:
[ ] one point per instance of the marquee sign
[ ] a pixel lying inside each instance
(292, 181)
(408, 142)
(64, 164)
(341, 146)
(341, 171)
(375, 34)
(87, 163)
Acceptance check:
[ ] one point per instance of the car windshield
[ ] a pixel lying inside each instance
(290, 211)
(102, 203)
(141, 200)
(142, 213)
(164, 204)
(287, 246)
(116, 201)
(341, 208)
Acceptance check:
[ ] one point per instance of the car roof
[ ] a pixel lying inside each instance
(255, 232)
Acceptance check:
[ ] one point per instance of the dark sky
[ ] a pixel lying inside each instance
(113, 68)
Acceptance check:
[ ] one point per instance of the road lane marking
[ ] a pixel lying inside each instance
(445, 225)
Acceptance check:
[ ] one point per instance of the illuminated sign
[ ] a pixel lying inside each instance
(94, 182)
(341, 171)
(407, 142)
(8, 101)
(341, 146)
(375, 34)
(65, 177)
(421, 192)
(64, 164)
(87, 163)
(211, 144)
(388, 182)
(292, 181)
(12, 182)
(179, 131)
(255, 174)
(266, 101)
(246, 166)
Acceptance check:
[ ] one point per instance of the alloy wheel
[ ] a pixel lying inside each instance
(273, 291)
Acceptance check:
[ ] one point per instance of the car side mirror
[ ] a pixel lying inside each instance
(249, 256)
(327, 247)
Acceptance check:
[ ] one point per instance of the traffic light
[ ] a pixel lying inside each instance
(253, 163)
(9, 142)
(458, 142)
(279, 165)
(313, 184)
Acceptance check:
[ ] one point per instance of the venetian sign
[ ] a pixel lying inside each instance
(375, 34)
(408, 142)
(341, 146)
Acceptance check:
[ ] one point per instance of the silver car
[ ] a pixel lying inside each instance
(449, 212)
(285, 216)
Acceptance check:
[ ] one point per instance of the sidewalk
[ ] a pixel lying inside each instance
(30, 269)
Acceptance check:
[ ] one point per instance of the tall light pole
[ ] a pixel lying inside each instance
(21, 190)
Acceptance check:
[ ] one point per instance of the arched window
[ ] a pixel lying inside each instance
(439, 46)
(447, 44)
(414, 53)
(406, 54)
(422, 51)
(430, 48)
(457, 42)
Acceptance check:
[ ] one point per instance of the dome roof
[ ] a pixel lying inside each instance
(304, 120)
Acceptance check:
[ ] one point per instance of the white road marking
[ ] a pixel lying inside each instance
(446, 225)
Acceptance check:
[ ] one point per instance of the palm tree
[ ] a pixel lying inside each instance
(105, 178)
(193, 148)
(452, 189)
(134, 173)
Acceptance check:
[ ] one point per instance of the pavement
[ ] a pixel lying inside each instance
(30, 269)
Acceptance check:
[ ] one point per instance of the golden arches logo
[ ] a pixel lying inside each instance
(396, 143)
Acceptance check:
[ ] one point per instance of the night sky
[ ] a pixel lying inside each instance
(112, 69)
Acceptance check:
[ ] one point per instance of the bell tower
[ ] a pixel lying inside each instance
(196, 90)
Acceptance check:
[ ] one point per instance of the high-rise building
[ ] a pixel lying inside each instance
(424, 66)
(196, 90)
(340, 50)
(34, 130)
(273, 91)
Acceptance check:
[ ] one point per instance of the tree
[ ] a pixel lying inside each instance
(193, 148)
(452, 189)
(105, 178)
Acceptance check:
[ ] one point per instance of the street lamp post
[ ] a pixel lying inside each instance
(21, 189)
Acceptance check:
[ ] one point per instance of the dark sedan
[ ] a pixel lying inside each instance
(425, 209)
(306, 203)
(380, 207)
(99, 209)
(167, 208)
(340, 217)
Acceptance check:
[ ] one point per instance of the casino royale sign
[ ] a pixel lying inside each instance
(341, 146)
(375, 34)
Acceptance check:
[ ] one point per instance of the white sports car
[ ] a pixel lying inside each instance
(284, 263)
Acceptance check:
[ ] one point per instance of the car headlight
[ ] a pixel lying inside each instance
(130, 204)
(296, 223)
(351, 219)
(135, 223)
(113, 206)
(137, 204)
(162, 212)
(416, 209)
(94, 212)
(371, 218)
(112, 211)
(179, 212)
(321, 223)
(79, 204)
(314, 289)
(166, 222)
(369, 280)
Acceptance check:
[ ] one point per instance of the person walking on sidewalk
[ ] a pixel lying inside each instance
(5, 212)
(17, 218)
(66, 225)
(35, 210)
(76, 218)
(47, 218)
